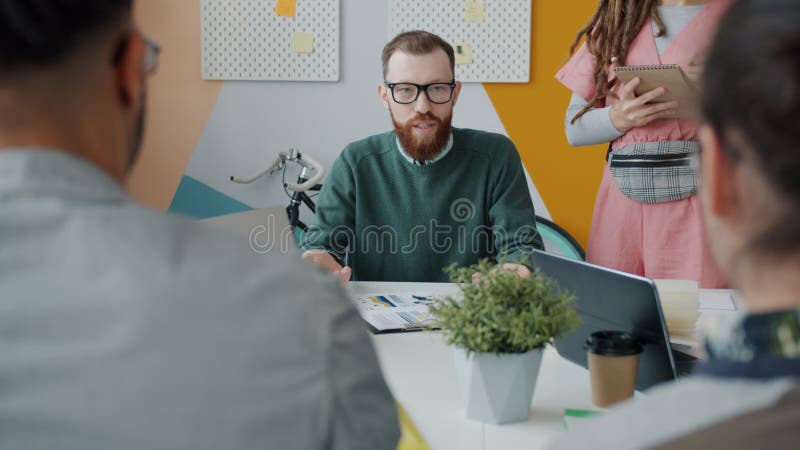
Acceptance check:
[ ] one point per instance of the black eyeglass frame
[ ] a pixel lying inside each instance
(150, 57)
(420, 88)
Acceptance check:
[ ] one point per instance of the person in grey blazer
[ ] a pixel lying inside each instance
(124, 328)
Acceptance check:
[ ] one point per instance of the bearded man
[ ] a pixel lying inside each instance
(402, 205)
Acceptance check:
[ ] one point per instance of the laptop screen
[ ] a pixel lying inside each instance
(611, 300)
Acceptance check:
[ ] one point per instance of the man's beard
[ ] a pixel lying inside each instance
(423, 148)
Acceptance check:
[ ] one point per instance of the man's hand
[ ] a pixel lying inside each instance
(632, 111)
(325, 261)
(519, 269)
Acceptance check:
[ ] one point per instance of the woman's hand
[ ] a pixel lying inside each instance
(632, 111)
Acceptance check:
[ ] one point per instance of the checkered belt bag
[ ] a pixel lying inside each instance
(655, 172)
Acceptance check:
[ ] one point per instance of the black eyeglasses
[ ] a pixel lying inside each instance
(405, 93)
(150, 57)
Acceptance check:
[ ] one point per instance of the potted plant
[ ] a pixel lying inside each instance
(499, 328)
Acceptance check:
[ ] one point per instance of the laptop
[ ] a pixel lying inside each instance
(611, 300)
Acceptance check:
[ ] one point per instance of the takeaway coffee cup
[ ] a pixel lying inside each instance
(613, 359)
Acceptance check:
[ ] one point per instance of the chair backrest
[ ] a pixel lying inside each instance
(557, 241)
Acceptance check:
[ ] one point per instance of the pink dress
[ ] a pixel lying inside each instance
(657, 240)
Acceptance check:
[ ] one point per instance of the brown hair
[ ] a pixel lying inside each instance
(608, 35)
(416, 43)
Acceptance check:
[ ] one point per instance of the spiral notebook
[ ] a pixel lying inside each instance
(670, 76)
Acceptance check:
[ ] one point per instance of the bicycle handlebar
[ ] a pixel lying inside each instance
(276, 165)
(319, 172)
(305, 161)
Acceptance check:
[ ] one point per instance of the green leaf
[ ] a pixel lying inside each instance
(504, 313)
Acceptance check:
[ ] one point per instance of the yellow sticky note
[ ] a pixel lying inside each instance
(303, 43)
(285, 7)
(463, 54)
(474, 12)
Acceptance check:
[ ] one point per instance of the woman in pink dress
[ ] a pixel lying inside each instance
(647, 217)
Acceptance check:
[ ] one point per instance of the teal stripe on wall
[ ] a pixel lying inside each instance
(198, 200)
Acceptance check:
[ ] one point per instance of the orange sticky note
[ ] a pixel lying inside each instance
(285, 7)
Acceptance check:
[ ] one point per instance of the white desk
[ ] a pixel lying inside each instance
(418, 367)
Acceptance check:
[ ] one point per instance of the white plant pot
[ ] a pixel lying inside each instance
(497, 388)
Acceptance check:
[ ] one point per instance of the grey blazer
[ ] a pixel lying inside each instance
(124, 328)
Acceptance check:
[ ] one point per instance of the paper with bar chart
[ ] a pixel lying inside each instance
(396, 312)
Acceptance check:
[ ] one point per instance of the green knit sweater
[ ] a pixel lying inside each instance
(392, 220)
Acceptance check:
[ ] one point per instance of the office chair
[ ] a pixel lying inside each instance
(558, 241)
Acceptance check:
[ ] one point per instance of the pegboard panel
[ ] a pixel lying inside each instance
(247, 40)
(499, 41)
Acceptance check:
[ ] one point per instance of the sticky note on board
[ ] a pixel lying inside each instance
(303, 43)
(474, 12)
(285, 7)
(463, 54)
